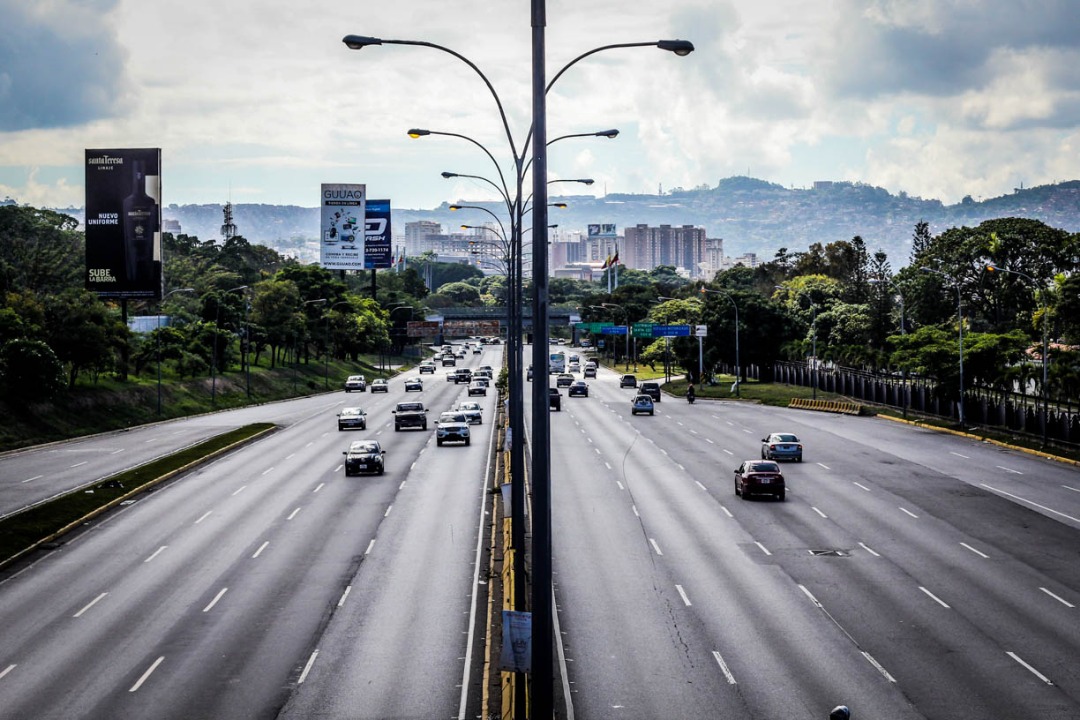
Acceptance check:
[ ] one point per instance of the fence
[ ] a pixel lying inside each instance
(1012, 412)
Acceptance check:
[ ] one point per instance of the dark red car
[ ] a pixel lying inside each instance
(759, 477)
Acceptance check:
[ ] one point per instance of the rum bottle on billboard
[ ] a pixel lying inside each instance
(140, 223)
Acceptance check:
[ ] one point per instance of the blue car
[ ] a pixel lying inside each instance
(781, 446)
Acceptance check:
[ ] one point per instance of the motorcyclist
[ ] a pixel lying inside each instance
(690, 393)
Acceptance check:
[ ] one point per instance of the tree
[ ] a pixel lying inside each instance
(29, 371)
(84, 333)
(40, 251)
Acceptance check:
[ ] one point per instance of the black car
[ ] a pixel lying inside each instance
(759, 477)
(410, 415)
(529, 374)
(414, 383)
(578, 389)
(364, 456)
(554, 399)
(652, 389)
(628, 381)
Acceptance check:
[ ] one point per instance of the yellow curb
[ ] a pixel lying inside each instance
(999, 443)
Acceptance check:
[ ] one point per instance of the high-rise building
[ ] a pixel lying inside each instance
(422, 236)
(683, 247)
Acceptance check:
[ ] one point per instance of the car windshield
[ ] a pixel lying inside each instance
(782, 437)
(410, 407)
(643, 399)
(470, 406)
(355, 377)
(363, 448)
(449, 417)
(348, 412)
(769, 467)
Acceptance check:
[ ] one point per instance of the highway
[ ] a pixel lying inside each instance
(266, 583)
(909, 574)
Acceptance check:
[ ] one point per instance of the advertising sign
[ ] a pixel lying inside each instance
(123, 223)
(377, 236)
(602, 230)
(471, 327)
(423, 328)
(343, 231)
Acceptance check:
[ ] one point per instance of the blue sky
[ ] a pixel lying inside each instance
(261, 102)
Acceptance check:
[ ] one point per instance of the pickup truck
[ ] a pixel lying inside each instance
(410, 415)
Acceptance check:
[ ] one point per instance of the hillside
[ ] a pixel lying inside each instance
(750, 215)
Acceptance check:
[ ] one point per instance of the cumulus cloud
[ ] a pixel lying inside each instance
(60, 64)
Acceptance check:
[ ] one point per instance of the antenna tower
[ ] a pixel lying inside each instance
(228, 228)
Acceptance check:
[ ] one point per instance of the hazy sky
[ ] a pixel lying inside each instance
(260, 101)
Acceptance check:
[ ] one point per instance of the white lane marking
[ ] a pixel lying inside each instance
(307, 667)
(290, 456)
(634, 508)
(694, 432)
(709, 440)
(214, 602)
(1033, 671)
(36, 477)
(388, 509)
(680, 466)
(369, 546)
(1061, 600)
(597, 451)
(117, 452)
(94, 602)
(310, 444)
(338, 468)
(824, 466)
(858, 484)
(202, 517)
(1010, 470)
(746, 431)
(412, 467)
(683, 595)
(268, 470)
(607, 465)
(1033, 504)
(877, 665)
(763, 548)
(149, 671)
(402, 485)
(6, 670)
(867, 549)
(239, 490)
(935, 598)
(341, 601)
(905, 510)
(620, 485)
(78, 464)
(701, 486)
(811, 596)
(293, 514)
(819, 512)
(724, 668)
(655, 546)
(1067, 487)
(259, 551)
(959, 455)
(588, 438)
(980, 554)
(728, 452)
(726, 511)
(155, 553)
(320, 487)
(680, 423)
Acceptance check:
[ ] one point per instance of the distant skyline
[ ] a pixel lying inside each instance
(260, 102)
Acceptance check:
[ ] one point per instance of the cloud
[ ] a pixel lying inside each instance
(60, 64)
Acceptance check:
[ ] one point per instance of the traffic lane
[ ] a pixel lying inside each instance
(398, 646)
(620, 616)
(162, 599)
(1002, 604)
(719, 566)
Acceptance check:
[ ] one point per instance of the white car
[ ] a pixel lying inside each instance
(473, 412)
(356, 382)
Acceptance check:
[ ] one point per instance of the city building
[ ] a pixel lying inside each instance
(422, 236)
(683, 247)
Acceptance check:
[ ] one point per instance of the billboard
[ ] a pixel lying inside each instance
(343, 207)
(377, 235)
(602, 230)
(123, 223)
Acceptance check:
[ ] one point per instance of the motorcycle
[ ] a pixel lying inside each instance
(690, 398)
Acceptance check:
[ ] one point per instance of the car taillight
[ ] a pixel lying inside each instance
(772, 446)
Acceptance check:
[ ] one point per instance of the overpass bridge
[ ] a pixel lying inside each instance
(558, 315)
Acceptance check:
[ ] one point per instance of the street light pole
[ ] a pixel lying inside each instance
(960, 332)
(160, 303)
(738, 367)
(1045, 345)
(626, 316)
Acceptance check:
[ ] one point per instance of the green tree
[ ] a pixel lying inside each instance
(40, 251)
(84, 333)
(29, 371)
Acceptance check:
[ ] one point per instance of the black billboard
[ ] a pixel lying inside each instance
(123, 223)
(377, 235)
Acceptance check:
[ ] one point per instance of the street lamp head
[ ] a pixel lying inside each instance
(682, 48)
(455, 207)
(356, 42)
(449, 175)
(560, 205)
(418, 132)
(992, 268)
(611, 134)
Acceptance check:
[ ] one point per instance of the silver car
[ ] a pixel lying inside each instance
(781, 446)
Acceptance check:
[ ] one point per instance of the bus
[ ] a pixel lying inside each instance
(556, 363)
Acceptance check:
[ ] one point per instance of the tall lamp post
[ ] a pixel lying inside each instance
(903, 331)
(213, 349)
(738, 367)
(626, 316)
(542, 691)
(960, 332)
(160, 303)
(1045, 343)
